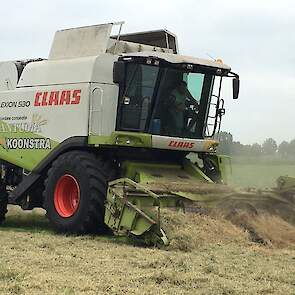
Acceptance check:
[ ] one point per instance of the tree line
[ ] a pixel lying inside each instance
(269, 147)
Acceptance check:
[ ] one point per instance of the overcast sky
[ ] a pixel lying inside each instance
(256, 38)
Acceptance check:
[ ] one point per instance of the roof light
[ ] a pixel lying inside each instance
(219, 60)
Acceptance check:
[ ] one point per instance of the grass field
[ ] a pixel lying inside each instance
(208, 255)
(222, 260)
(261, 176)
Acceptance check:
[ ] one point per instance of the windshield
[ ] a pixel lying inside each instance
(165, 101)
(182, 104)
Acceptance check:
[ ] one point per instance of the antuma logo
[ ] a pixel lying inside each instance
(63, 97)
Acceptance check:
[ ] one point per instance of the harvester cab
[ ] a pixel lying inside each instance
(168, 95)
(122, 108)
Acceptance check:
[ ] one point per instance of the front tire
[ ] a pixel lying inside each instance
(75, 191)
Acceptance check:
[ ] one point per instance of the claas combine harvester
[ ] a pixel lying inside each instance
(110, 129)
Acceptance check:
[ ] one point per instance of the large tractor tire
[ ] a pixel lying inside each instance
(3, 205)
(75, 191)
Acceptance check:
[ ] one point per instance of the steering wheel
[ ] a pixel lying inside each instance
(191, 116)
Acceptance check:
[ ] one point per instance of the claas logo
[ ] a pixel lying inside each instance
(57, 98)
(181, 144)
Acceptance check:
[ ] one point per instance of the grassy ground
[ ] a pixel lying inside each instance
(207, 255)
(222, 260)
(261, 176)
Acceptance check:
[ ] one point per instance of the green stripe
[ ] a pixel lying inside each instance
(24, 158)
(121, 138)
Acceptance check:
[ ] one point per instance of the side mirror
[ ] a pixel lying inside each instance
(119, 72)
(236, 87)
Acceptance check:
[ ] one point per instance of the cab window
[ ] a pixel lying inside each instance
(136, 101)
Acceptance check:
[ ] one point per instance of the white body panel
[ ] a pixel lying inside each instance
(8, 75)
(80, 42)
(103, 109)
(80, 70)
(31, 109)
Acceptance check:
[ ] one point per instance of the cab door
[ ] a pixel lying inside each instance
(137, 97)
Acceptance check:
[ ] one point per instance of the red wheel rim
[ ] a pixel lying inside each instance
(67, 196)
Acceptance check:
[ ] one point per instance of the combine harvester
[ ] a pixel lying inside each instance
(102, 132)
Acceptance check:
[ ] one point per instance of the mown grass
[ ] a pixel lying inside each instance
(208, 255)
(222, 260)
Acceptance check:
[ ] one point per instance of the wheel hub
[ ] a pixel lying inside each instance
(67, 196)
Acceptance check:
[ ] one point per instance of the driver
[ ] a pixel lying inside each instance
(180, 100)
